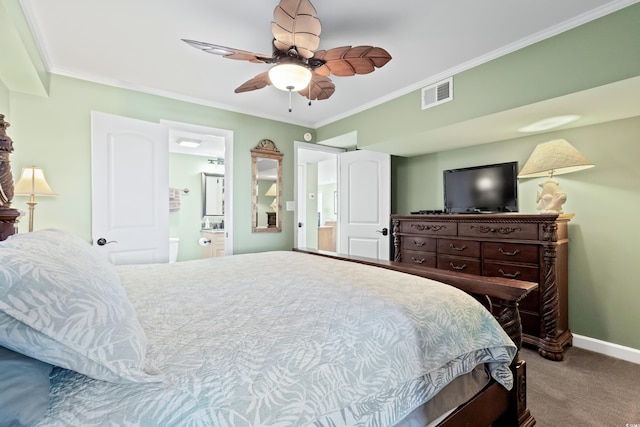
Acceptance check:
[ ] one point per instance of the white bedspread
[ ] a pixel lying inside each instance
(287, 339)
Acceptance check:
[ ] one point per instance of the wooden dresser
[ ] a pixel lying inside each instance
(530, 247)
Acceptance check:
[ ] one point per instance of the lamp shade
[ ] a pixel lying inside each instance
(555, 157)
(33, 182)
(290, 77)
(271, 191)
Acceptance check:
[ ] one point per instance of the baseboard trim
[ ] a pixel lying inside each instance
(609, 349)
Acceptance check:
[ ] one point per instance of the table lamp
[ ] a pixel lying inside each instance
(272, 192)
(553, 158)
(32, 183)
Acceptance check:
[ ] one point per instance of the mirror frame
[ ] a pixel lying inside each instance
(265, 149)
(205, 178)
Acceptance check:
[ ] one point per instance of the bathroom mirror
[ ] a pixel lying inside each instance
(212, 194)
(266, 184)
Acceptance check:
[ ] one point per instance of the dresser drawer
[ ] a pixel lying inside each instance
(463, 265)
(430, 228)
(468, 248)
(502, 231)
(510, 252)
(511, 271)
(424, 259)
(418, 243)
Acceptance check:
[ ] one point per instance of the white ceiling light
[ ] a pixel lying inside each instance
(549, 123)
(290, 77)
(189, 142)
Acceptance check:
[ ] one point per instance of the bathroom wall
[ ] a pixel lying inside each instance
(185, 173)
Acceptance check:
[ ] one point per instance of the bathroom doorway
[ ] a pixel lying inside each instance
(194, 150)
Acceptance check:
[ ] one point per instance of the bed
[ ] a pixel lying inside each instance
(282, 338)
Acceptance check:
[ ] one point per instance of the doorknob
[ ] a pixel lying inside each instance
(102, 241)
(384, 231)
(299, 225)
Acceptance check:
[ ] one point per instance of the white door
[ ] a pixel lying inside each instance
(130, 189)
(365, 203)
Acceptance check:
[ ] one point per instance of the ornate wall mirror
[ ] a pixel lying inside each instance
(212, 194)
(266, 184)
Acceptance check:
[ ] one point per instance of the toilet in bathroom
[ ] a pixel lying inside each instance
(174, 242)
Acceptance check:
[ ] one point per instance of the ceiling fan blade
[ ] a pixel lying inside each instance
(323, 70)
(296, 24)
(321, 87)
(258, 82)
(348, 61)
(229, 52)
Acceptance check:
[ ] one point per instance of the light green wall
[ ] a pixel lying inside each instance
(21, 68)
(4, 100)
(54, 133)
(603, 248)
(600, 52)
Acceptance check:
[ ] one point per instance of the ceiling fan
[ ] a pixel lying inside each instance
(297, 64)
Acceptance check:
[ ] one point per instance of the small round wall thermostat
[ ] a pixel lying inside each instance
(307, 137)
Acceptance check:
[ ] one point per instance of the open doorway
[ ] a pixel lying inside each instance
(194, 152)
(351, 215)
(316, 186)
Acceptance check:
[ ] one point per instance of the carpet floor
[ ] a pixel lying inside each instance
(585, 389)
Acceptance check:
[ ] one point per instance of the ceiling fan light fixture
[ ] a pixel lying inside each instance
(290, 77)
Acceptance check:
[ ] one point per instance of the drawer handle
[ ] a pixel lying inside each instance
(417, 261)
(458, 267)
(514, 253)
(457, 249)
(418, 244)
(509, 276)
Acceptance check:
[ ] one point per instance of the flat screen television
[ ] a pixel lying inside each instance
(481, 189)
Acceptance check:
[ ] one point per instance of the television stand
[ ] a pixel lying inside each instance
(530, 247)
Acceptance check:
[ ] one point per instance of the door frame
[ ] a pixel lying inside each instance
(228, 171)
(300, 180)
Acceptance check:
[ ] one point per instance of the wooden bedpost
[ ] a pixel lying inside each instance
(8, 215)
(509, 319)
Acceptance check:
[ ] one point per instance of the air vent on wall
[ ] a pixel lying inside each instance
(437, 93)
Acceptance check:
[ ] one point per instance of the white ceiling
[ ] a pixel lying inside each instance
(137, 45)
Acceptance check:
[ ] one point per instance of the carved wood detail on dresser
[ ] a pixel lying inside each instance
(530, 247)
(8, 221)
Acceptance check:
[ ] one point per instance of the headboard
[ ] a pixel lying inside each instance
(8, 215)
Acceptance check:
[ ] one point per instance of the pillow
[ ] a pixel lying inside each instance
(24, 389)
(63, 303)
